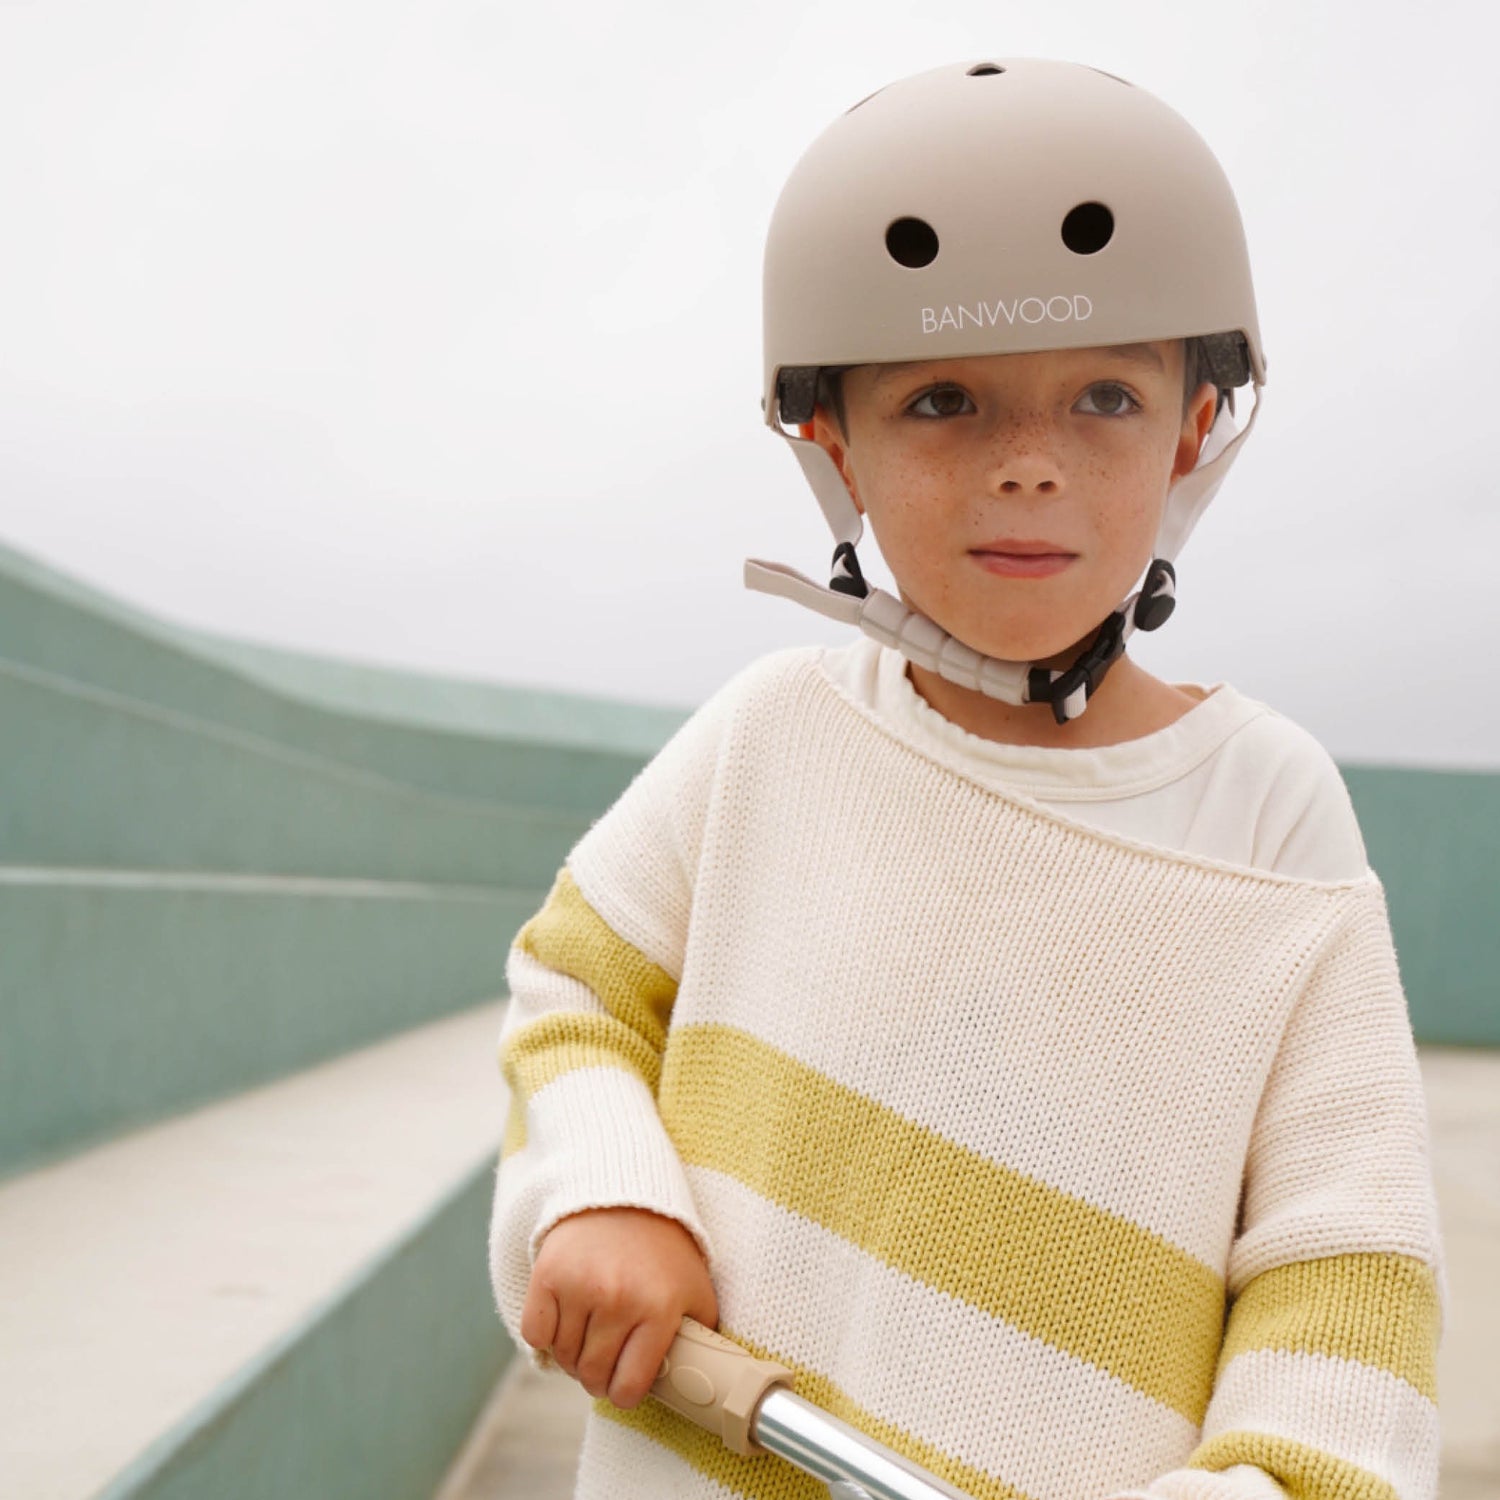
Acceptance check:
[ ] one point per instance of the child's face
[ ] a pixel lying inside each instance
(952, 460)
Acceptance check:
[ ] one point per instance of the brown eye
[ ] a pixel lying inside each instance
(1109, 400)
(942, 401)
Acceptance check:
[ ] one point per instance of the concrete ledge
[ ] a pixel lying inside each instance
(525, 1443)
(1463, 1109)
(365, 1401)
(283, 1294)
(131, 995)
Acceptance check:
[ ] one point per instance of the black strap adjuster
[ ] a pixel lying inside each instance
(1158, 598)
(847, 578)
(1087, 672)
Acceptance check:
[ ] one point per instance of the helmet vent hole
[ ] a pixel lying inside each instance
(1088, 228)
(912, 243)
(985, 70)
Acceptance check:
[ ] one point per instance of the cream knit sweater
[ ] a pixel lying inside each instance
(987, 1112)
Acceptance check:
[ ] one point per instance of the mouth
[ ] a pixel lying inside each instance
(1014, 546)
(1022, 559)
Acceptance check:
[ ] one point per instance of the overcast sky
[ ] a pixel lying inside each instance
(428, 333)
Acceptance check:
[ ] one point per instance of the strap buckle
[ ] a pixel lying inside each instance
(847, 577)
(1087, 672)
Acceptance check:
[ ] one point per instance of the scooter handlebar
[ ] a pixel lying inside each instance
(712, 1381)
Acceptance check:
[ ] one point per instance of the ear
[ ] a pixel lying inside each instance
(825, 432)
(1196, 424)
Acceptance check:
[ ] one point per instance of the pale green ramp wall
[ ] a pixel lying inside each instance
(210, 878)
(219, 865)
(1434, 839)
(96, 780)
(462, 739)
(138, 998)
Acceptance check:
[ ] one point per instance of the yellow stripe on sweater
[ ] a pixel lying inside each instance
(1304, 1473)
(514, 1138)
(766, 1478)
(565, 1040)
(1379, 1310)
(1078, 1277)
(568, 936)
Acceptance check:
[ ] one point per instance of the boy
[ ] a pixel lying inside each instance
(1007, 1041)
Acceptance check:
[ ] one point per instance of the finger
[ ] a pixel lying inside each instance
(539, 1316)
(601, 1349)
(567, 1342)
(640, 1361)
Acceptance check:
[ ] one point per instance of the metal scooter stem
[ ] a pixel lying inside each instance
(852, 1465)
(745, 1402)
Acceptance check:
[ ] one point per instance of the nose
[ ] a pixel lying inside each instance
(1028, 474)
(1024, 463)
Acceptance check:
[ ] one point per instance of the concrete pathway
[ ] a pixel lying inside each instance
(137, 1276)
(525, 1445)
(1463, 1104)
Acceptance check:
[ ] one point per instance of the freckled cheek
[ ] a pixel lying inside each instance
(913, 536)
(1134, 487)
(904, 499)
(1126, 529)
(918, 549)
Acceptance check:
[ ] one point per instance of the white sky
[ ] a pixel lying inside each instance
(428, 333)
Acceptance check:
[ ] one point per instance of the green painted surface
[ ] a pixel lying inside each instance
(488, 709)
(1433, 837)
(369, 1400)
(473, 740)
(366, 689)
(141, 750)
(98, 781)
(126, 999)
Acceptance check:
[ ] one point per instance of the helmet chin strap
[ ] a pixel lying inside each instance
(893, 623)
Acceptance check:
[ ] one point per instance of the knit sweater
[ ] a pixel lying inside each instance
(1068, 1162)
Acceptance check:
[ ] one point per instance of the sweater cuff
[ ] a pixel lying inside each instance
(600, 1132)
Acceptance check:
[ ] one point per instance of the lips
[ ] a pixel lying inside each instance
(1022, 558)
(1020, 547)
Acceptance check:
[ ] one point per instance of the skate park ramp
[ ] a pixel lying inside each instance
(254, 912)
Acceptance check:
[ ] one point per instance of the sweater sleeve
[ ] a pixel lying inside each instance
(1325, 1387)
(593, 977)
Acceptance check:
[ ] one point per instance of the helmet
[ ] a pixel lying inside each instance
(1002, 207)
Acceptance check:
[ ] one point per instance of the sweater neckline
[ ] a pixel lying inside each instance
(875, 677)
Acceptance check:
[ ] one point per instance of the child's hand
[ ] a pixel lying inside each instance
(608, 1292)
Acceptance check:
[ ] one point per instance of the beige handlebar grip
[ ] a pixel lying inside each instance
(712, 1381)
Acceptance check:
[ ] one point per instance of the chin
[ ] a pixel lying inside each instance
(1036, 645)
(1031, 635)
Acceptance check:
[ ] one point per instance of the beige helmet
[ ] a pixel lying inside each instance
(1001, 207)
